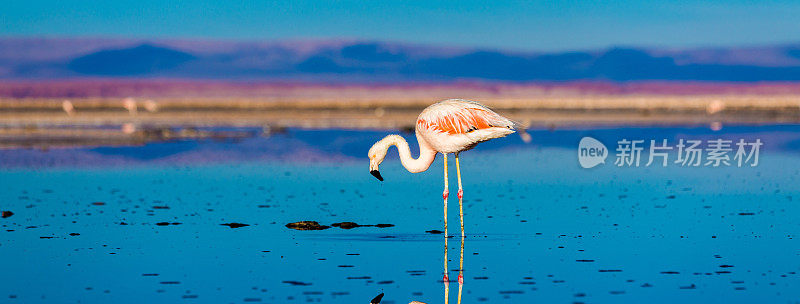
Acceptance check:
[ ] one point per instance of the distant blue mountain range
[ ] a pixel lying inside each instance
(360, 61)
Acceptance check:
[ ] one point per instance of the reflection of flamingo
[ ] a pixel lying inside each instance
(449, 126)
(377, 300)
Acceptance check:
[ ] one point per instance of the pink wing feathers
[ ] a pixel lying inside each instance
(461, 117)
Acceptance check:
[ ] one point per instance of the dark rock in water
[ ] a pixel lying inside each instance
(351, 225)
(74, 234)
(162, 223)
(98, 203)
(345, 225)
(434, 231)
(688, 287)
(235, 225)
(7, 214)
(306, 225)
(296, 283)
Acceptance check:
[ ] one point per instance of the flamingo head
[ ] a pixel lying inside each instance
(376, 155)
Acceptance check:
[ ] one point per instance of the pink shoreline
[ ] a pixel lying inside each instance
(127, 87)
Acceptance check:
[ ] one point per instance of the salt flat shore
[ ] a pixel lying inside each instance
(37, 116)
(393, 113)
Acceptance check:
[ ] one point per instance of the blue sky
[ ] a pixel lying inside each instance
(520, 25)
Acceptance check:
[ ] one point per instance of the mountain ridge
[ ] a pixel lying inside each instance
(374, 61)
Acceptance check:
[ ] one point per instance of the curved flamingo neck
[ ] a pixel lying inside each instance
(413, 165)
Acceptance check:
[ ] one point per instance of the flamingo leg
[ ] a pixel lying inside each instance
(461, 216)
(460, 196)
(445, 194)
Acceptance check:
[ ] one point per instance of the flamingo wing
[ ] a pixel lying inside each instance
(461, 117)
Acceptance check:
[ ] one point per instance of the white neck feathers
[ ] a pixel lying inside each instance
(426, 153)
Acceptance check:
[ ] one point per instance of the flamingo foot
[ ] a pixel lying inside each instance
(445, 194)
(460, 279)
(446, 279)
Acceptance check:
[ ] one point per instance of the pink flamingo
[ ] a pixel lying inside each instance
(449, 126)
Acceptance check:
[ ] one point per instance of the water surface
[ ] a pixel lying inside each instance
(144, 224)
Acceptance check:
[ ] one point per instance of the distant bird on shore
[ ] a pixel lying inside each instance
(151, 106)
(449, 126)
(130, 105)
(68, 108)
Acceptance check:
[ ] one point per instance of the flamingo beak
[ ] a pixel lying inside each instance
(377, 299)
(376, 174)
(373, 169)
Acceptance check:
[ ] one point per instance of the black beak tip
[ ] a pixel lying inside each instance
(377, 299)
(376, 174)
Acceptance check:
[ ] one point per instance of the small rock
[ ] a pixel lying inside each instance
(7, 214)
(688, 287)
(166, 223)
(235, 225)
(345, 225)
(306, 225)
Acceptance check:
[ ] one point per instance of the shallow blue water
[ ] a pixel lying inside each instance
(539, 227)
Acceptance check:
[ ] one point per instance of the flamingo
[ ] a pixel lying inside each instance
(449, 126)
